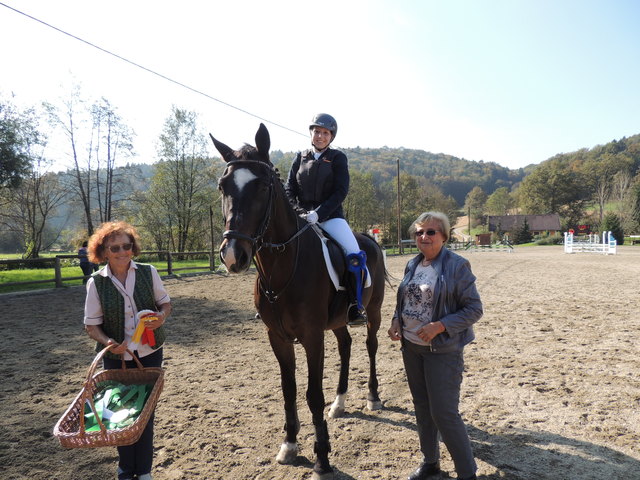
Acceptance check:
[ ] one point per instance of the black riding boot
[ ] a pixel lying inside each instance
(357, 317)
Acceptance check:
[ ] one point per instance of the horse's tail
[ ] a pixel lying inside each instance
(387, 275)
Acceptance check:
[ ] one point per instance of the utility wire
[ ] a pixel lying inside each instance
(164, 77)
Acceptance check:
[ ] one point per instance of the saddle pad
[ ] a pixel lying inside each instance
(327, 261)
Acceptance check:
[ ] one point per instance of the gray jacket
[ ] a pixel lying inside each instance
(457, 304)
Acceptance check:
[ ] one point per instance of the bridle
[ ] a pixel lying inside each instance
(257, 241)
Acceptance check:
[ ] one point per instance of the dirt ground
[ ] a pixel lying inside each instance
(551, 389)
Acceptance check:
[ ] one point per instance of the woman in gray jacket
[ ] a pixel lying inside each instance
(436, 307)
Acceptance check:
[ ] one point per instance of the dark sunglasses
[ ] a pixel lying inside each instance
(116, 248)
(431, 233)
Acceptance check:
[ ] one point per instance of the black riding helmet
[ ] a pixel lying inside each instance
(325, 120)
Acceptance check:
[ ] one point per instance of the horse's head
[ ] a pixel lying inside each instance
(247, 194)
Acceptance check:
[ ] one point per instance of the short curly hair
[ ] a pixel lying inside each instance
(96, 249)
(425, 217)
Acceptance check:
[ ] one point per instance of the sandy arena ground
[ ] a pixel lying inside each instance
(551, 389)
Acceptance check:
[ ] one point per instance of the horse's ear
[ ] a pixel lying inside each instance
(226, 152)
(263, 142)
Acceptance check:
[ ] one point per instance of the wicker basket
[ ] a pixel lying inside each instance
(70, 429)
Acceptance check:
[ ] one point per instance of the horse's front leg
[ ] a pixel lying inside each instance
(315, 399)
(344, 350)
(286, 357)
(373, 398)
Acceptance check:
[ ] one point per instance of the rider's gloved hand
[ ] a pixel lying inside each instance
(311, 217)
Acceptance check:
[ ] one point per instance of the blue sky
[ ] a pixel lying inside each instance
(508, 81)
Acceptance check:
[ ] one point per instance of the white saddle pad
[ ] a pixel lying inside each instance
(327, 261)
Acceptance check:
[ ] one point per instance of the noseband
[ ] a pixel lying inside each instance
(256, 241)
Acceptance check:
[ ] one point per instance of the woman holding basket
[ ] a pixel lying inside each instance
(115, 296)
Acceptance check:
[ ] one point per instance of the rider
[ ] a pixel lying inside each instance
(317, 185)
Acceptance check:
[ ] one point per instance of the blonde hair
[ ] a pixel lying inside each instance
(425, 217)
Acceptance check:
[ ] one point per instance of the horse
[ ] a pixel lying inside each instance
(293, 293)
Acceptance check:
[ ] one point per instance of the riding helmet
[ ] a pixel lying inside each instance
(325, 120)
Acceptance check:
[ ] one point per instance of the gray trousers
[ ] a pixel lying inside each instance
(434, 381)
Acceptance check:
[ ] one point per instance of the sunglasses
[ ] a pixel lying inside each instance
(116, 248)
(429, 232)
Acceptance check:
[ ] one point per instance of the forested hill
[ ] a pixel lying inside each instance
(457, 176)
(454, 176)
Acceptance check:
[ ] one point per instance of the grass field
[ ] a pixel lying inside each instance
(72, 274)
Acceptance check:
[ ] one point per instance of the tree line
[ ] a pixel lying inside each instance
(599, 187)
(175, 202)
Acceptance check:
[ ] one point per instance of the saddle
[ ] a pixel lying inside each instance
(336, 262)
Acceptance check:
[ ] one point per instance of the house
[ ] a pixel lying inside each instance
(548, 224)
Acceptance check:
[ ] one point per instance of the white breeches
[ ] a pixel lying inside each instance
(340, 230)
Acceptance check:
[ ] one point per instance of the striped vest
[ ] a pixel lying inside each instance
(113, 305)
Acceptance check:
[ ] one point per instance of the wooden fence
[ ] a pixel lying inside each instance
(57, 261)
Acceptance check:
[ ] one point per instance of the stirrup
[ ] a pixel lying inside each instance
(356, 317)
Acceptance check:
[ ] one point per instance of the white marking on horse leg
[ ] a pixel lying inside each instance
(337, 407)
(242, 176)
(287, 454)
(371, 405)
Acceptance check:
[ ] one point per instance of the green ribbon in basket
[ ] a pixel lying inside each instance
(117, 405)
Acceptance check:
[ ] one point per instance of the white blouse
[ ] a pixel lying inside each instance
(93, 314)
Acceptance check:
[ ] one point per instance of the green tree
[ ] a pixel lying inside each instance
(499, 202)
(17, 132)
(361, 209)
(611, 223)
(178, 200)
(555, 187)
(600, 171)
(522, 234)
(475, 205)
(634, 200)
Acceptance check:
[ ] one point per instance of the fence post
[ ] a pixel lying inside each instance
(58, 273)
(169, 264)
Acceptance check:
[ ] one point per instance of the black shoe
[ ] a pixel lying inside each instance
(426, 471)
(356, 317)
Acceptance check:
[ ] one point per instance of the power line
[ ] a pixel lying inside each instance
(164, 77)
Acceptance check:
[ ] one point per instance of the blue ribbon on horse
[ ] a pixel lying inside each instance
(357, 265)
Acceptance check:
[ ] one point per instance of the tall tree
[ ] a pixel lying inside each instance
(499, 202)
(28, 208)
(70, 117)
(555, 187)
(113, 140)
(361, 209)
(475, 205)
(17, 131)
(600, 171)
(184, 184)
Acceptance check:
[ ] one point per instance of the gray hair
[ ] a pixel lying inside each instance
(425, 217)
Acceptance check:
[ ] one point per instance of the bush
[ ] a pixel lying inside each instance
(550, 240)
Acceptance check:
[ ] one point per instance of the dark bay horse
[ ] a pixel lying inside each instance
(293, 291)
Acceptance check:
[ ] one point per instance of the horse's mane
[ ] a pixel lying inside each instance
(249, 152)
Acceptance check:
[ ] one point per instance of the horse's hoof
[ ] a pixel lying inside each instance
(322, 476)
(336, 411)
(287, 454)
(374, 404)
(337, 407)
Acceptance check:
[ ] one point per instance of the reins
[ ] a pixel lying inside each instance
(258, 243)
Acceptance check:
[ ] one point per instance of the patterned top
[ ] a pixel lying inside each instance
(418, 302)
